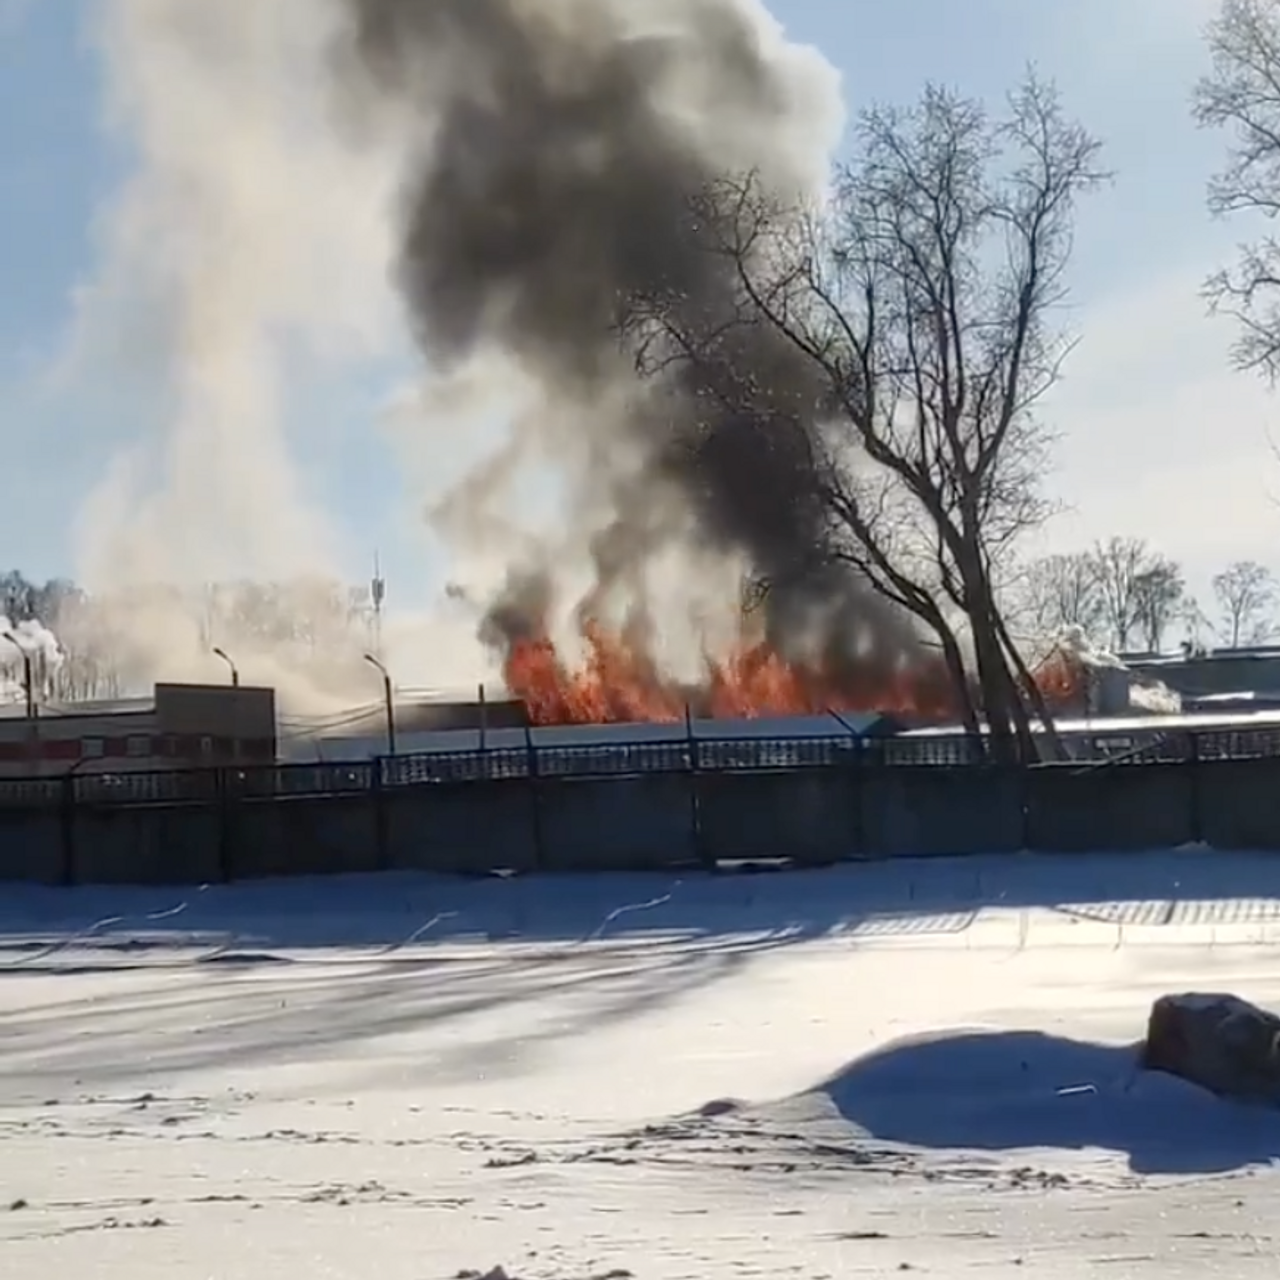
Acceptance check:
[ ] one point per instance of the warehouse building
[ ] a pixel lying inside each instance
(419, 720)
(181, 726)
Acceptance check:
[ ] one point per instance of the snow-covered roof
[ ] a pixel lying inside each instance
(1184, 723)
(365, 745)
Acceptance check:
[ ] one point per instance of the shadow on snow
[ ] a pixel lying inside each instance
(1006, 1091)
(919, 897)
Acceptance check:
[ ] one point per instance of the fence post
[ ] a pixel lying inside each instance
(381, 835)
(695, 793)
(1195, 788)
(222, 801)
(535, 800)
(67, 815)
(859, 759)
(1025, 800)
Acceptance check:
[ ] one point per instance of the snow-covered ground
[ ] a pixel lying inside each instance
(408, 1078)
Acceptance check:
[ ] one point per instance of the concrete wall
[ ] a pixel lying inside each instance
(639, 823)
(653, 821)
(1074, 808)
(302, 836)
(32, 845)
(937, 810)
(1239, 803)
(151, 844)
(462, 828)
(810, 815)
(219, 710)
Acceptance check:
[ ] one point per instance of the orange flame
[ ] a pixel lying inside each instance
(616, 684)
(1062, 682)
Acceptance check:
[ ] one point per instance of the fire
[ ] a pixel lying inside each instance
(1060, 679)
(616, 684)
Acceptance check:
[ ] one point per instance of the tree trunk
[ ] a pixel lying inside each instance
(953, 656)
(997, 692)
(1011, 739)
(1004, 658)
(954, 659)
(1033, 693)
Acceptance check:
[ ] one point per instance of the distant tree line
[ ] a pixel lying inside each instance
(98, 654)
(1128, 597)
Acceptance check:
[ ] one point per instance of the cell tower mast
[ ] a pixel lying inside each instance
(377, 594)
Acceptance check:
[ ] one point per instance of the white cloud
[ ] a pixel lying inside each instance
(1161, 438)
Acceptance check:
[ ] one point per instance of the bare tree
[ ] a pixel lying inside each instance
(1242, 94)
(1245, 592)
(920, 303)
(1195, 625)
(1055, 592)
(1141, 592)
(1159, 596)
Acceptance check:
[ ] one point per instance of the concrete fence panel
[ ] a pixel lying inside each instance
(1239, 803)
(640, 822)
(652, 821)
(810, 815)
(147, 844)
(462, 828)
(301, 836)
(32, 845)
(1075, 810)
(934, 810)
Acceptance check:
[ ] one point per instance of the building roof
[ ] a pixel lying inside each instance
(360, 743)
(1265, 718)
(79, 710)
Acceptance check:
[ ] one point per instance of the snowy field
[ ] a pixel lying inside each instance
(410, 1078)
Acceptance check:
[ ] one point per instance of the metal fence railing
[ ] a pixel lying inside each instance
(1129, 749)
(639, 805)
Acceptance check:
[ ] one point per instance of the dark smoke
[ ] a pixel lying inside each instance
(569, 156)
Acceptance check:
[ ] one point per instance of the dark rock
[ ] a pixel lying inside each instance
(1219, 1042)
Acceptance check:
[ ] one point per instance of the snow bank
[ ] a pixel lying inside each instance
(1030, 1090)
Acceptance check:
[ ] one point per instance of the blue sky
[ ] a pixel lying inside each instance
(1159, 437)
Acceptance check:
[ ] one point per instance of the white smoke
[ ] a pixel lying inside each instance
(1144, 692)
(250, 253)
(246, 254)
(33, 639)
(26, 642)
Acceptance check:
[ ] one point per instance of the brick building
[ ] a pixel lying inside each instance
(181, 726)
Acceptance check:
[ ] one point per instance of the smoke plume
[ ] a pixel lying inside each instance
(244, 258)
(564, 149)
(522, 173)
(24, 644)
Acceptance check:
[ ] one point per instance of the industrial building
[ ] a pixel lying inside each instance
(1219, 679)
(181, 726)
(419, 720)
(184, 726)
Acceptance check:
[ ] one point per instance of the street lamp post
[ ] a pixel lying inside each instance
(389, 696)
(235, 671)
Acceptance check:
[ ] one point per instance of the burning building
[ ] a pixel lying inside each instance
(1082, 681)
